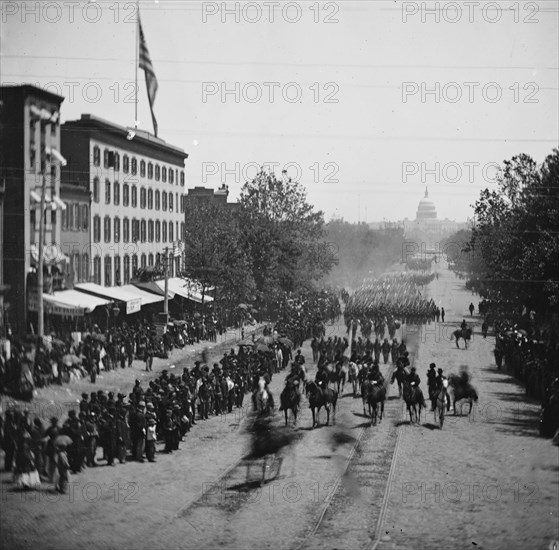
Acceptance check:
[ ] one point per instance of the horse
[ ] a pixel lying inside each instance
(365, 388)
(400, 376)
(321, 397)
(462, 390)
(464, 333)
(414, 401)
(442, 400)
(263, 408)
(339, 376)
(353, 375)
(290, 398)
(376, 395)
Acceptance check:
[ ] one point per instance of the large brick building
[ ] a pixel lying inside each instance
(137, 187)
(30, 158)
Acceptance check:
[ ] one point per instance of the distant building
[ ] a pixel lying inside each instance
(30, 157)
(208, 194)
(137, 187)
(427, 231)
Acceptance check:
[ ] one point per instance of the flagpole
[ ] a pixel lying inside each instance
(137, 62)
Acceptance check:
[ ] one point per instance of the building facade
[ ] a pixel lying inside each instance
(75, 231)
(30, 163)
(427, 231)
(137, 187)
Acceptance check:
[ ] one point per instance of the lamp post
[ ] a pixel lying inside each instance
(45, 117)
(166, 298)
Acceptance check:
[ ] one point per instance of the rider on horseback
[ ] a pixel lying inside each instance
(463, 325)
(432, 383)
(440, 387)
(413, 380)
(296, 375)
(375, 375)
(413, 377)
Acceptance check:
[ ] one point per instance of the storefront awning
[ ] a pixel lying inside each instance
(152, 287)
(52, 254)
(67, 302)
(115, 293)
(146, 297)
(186, 288)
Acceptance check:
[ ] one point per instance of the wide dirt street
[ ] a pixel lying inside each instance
(485, 480)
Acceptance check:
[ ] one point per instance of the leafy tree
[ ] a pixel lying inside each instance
(213, 252)
(515, 241)
(282, 235)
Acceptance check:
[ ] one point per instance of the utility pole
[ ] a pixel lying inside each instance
(40, 308)
(166, 299)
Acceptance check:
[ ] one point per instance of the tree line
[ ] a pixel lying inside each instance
(275, 244)
(510, 253)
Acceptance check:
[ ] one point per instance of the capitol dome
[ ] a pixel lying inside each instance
(426, 209)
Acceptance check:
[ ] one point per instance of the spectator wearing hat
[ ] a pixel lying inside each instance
(108, 435)
(148, 357)
(52, 431)
(73, 429)
(168, 429)
(10, 438)
(138, 432)
(151, 438)
(91, 439)
(84, 403)
(122, 434)
(432, 383)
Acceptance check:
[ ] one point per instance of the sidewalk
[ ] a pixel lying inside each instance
(55, 400)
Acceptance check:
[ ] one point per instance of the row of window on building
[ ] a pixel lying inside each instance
(111, 159)
(136, 230)
(75, 217)
(117, 271)
(150, 199)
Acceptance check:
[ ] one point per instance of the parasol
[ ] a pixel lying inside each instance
(265, 340)
(286, 342)
(242, 306)
(262, 347)
(70, 359)
(98, 337)
(62, 441)
(247, 342)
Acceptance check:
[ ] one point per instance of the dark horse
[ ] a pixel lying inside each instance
(415, 401)
(464, 333)
(321, 397)
(462, 389)
(290, 398)
(399, 375)
(376, 395)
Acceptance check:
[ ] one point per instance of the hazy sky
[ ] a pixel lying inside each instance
(347, 118)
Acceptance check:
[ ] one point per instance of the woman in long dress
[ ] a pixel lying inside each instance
(26, 475)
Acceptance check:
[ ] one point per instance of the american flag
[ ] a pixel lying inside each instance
(151, 80)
